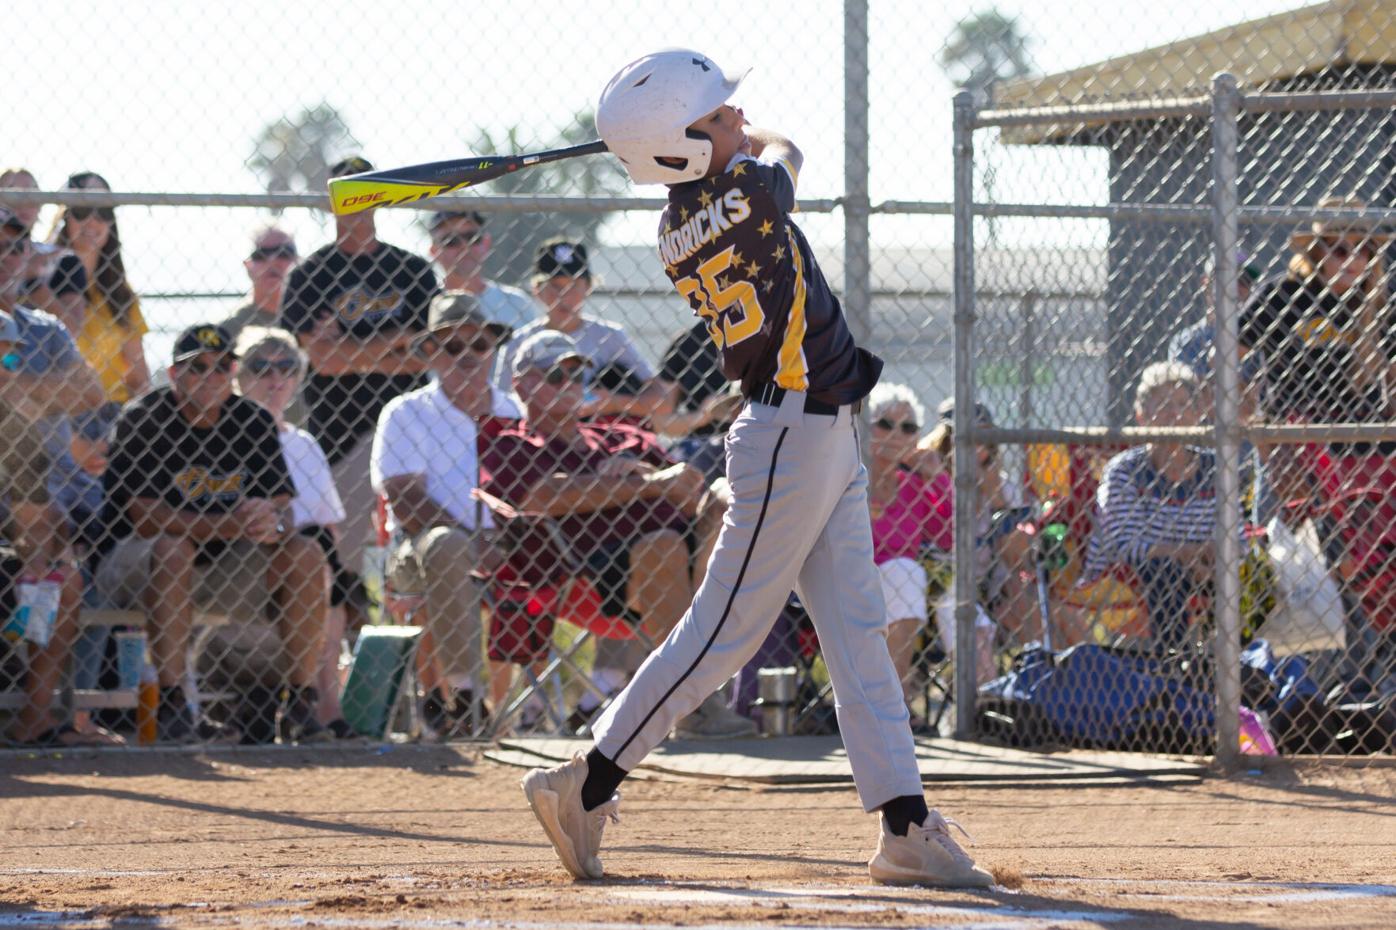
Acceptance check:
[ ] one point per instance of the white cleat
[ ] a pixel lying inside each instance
(927, 855)
(555, 795)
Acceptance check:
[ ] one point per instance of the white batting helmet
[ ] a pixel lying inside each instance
(647, 107)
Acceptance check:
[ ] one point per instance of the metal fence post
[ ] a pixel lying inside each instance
(857, 255)
(965, 463)
(1226, 108)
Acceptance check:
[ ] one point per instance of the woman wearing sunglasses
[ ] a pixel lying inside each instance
(270, 369)
(1325, 335)
(112, 328)
(909, 501)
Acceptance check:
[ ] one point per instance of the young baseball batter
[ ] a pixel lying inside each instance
(799, 512)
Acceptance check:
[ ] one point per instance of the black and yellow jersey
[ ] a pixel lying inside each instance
(729, 246)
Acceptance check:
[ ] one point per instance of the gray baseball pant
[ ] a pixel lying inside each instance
(798, 520)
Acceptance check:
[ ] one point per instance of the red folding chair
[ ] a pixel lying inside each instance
(538, 580)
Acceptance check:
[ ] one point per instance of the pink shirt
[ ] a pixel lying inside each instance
(920, 514)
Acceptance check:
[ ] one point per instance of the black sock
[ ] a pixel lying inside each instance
(900, 813)
(603, 778)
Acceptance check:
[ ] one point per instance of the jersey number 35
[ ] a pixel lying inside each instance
(731, 309)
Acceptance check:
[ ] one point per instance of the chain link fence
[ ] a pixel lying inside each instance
(398, 515)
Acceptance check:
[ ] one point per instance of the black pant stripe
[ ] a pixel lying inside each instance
(736, 588)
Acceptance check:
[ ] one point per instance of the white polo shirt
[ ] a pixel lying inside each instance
(423, 433)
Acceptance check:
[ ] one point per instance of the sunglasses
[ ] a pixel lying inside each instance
(907, 427)
(83, 213)
(200, 367)
(456, 240)
(565, 374)
(480, 345)
(260, 367)
(1343, 250)
(262, 253)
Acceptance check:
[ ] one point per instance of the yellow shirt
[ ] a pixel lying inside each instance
(101, 339)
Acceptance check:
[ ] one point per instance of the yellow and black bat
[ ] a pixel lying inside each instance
(355, 192)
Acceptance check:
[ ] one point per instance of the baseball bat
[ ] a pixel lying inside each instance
(371, 189)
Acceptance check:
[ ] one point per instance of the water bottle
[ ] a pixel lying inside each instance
(147, 705)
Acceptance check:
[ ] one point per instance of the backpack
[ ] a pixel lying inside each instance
(1097, 697)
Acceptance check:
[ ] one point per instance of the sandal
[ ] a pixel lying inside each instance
(67, 736)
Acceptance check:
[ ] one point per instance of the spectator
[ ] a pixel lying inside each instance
(617, 499)
(52, 381)
(356, 305)
(426, 464)
(271, 366)
(1193, 345)
(55, 280)
(1156, 508)
(112, 329)
(32, 545)
(623, 383)
(703, 400)
(1003, 556)
(76, 482)
(272, 257)
(1325, 335)
(197, 509)
(909, 499)
(460, 246)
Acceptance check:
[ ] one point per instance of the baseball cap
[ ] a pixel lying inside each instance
(945, 413)
(544, 349)
(9, 329)
(561, 257)
(442, 216)
(450, 309)
(11, 219)
(353, 164)
(1245, 265)
(200, 338)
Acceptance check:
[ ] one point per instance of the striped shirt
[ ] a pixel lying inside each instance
(1137, 507)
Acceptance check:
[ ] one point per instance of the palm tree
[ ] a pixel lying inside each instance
(984, 49)
(295, 154)
(516, 236)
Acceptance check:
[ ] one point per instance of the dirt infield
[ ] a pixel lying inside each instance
(440, 837)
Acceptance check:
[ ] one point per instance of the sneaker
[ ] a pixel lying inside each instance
(715, 720)
(578, 723)
(556, 798)
(452, 719)
(176, 722)
(295, 720)
(927, 855)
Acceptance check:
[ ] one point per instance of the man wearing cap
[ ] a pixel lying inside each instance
(623, 383)
(356, 305)
(460, 245)
(425, 463)
(197, 515)
(620, 503)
